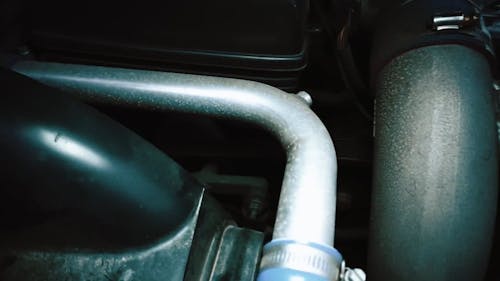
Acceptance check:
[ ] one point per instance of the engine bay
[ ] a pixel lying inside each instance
(249, 140)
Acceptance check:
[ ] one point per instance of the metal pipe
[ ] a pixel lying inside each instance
(435, 167)
(306, 211)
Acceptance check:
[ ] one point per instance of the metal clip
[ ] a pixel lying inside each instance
(449, 21)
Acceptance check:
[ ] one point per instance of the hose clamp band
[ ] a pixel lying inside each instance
(320, 260)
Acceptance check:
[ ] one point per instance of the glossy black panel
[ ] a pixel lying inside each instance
(72, 177)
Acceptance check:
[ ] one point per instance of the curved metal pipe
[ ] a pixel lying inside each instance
(306, 211)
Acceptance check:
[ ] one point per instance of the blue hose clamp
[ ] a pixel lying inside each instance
(288, 260)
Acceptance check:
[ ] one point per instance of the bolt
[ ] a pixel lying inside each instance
(254, 207)
(305, 97)
(355, 274)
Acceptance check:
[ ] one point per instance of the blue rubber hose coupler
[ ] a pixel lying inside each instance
(288, 260)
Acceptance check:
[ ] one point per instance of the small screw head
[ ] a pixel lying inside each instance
(304, 96)
(355, 274)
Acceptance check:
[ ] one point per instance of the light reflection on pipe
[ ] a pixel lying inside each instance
(66, 145)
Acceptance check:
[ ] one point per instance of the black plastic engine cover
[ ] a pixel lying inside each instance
(84, 198)
(254, 39)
